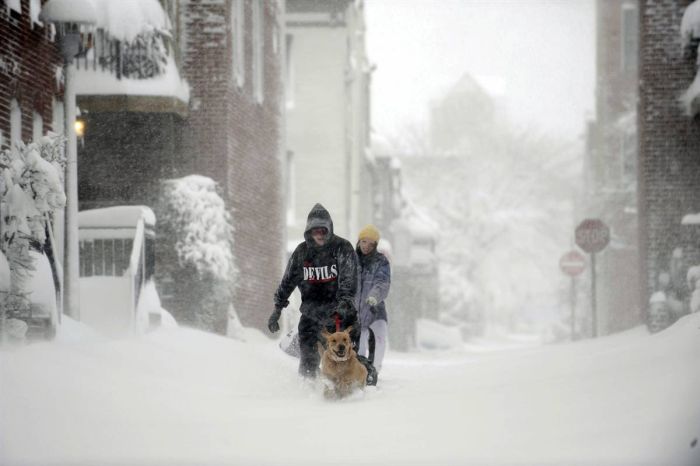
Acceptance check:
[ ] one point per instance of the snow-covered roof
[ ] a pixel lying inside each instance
(116, 217)
(690, 24)
(125, 19)
(691, 219)
(379, 142)
(73, 11)
(421, 225)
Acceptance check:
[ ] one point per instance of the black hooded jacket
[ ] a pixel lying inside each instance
(326, 275)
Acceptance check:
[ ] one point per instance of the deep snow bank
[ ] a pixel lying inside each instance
(180, 396)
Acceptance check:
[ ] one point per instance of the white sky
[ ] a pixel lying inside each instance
(538, 54)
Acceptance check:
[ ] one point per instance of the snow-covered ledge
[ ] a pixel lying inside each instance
(168, 89)
(690, 37)
(100, 87)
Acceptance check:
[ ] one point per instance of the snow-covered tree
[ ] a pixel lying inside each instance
(504, 204)
(31, 190)
(195, 250)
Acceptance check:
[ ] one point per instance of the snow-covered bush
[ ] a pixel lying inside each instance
(31, 189)
(195, 251)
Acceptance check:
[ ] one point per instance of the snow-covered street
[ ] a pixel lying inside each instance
(184, 397)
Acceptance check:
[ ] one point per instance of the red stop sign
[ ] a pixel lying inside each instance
(592, 235)
(572, 263)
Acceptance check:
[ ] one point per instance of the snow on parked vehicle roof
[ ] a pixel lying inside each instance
(117, 216)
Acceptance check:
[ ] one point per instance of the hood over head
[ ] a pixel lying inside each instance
(318, 218)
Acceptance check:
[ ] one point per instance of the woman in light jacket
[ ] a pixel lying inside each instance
(374, 281)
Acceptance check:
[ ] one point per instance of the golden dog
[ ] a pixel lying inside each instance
(340, 366)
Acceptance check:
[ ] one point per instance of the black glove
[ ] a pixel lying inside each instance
(272, 322)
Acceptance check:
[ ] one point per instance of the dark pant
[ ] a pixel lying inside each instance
(310, 336)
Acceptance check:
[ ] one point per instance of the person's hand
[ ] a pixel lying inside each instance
(372, 301)
(344, 310)
(272, 322)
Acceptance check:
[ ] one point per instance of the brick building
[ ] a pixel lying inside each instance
(232, 56)
(30, 87)
(214, 111)
(669, 150)
(611, 163)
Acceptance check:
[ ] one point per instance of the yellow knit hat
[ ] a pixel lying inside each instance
(369, 232)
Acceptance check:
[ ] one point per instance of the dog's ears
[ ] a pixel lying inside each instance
(348, 330)
(325, 333)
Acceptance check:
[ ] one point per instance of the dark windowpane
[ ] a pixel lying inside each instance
(120, 259)
(128, 245)
(82, 259)
(99, 257)
(87, 258)
(109, 257)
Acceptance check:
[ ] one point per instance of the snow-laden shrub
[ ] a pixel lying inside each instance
(31, 189)
(195, 251)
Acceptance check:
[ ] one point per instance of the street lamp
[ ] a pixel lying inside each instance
(73, 20)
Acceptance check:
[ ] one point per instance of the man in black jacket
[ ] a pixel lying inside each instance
(324, 267)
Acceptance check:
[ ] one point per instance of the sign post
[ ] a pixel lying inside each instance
(592, 235)
(572, 263)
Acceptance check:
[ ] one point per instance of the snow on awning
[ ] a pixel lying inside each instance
(124, 216)
(69, 11)
(126, 19)
(98, 82)
(142, 76)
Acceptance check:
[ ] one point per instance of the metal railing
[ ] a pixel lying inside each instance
(142, 58)
(137, 266)
(124, 258)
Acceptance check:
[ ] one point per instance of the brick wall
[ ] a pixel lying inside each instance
(28, 61)
(669, 159)
(235, 140)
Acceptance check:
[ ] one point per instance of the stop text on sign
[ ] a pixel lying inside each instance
(592, 235)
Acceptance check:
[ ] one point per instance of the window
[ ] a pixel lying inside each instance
(629, 158)
(37, 127)
(14, 5)
(630, 32)
(105, 257)
(258, 50)
(291, 187)
(15, 125)
(289, 72)
(238, 38)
